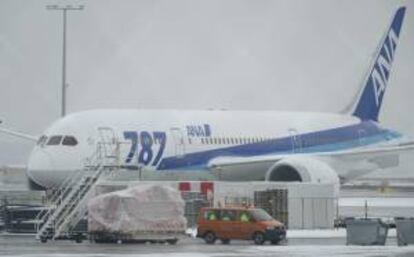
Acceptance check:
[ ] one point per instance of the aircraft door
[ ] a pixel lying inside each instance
(107, 138)
(179, 143)
(108, 144)
(296, 140)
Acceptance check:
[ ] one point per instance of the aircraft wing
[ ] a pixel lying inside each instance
(356, 162)
(19, 134)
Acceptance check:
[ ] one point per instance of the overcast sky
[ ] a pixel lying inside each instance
(233, 54)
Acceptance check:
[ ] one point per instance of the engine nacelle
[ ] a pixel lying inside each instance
(302, 169)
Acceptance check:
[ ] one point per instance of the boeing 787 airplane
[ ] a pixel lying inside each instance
(234, 145)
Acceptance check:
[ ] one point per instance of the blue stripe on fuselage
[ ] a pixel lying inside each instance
(364, 133)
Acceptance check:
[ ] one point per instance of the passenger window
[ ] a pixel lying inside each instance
(227, 215)
(70, 140)
(211, 215)
(245, 217)
(54, 140)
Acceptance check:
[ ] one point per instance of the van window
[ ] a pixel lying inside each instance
(54, 140)
(260, 215)
(211, 215)
(227, 215)
(70, 140)
(244, 216)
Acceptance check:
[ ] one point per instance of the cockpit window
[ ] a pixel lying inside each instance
(42, 140)
(70, 140)
(54, 140)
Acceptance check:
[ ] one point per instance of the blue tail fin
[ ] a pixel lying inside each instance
(369, 103)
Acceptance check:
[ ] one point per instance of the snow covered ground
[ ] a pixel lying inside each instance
(321, 251)
(235, 250)
(391, 202)
(384, 207)
(296, 247)
(310, 234)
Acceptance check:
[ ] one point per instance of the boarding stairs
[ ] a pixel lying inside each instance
(2, 214)
(68, 203)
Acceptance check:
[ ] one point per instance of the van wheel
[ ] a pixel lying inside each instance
(259, 238)
(172, 241)
(210, 238)
(275, 242)
(225, 241)
(78, 238)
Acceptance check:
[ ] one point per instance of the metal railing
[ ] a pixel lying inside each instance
(68, 202)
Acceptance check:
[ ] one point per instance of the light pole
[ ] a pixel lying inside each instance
(64, 10)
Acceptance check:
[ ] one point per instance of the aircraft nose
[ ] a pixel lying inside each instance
(40, 169)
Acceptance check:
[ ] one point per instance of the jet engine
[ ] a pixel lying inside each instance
(302, 169)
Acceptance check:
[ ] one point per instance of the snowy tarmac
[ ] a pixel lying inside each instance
(322, 243)
(26, 245)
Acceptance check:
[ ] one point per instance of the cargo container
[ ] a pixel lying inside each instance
(152, 213)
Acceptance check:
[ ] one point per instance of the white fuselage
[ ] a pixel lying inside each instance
(173, 141)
